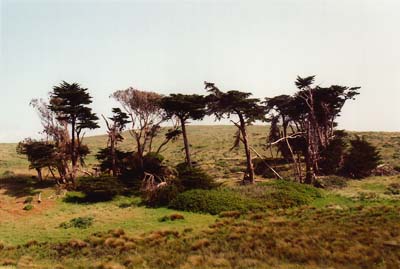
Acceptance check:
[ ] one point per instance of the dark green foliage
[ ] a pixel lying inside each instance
(280, 193)
(102, 188)
(331, 158)
(70, 102)
(362, 158)
(80, 222)
(28, 207)
(162, 196)
(104, 156)
(184, 106)
(194, 178)
(212, 201)
(286, 194)
(132, 170)
(40, 154)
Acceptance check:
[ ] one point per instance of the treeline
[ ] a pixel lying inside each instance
(303, 132)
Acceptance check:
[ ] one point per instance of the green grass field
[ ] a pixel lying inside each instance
(354, 226)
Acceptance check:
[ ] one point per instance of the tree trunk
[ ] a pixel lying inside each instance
(39, 174)
(113, 157)
(73, 153)
(250, 168)
(186, 143)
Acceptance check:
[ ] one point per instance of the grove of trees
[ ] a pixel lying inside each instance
(303, 131)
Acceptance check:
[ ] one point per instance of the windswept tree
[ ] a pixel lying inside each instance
(185, 107)
(308, 120)
(40, 154)
(246, 109)
(115, 127)
(56, 132)
(70, 103)
(145, 114)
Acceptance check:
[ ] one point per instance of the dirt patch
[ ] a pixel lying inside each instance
(13, 207)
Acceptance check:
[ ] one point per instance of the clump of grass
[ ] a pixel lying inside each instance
(201, 243)
(80, 223)
(172, 217)
(393, 189)
(28, 207)
(230, 214)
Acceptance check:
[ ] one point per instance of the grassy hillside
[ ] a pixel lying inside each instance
(355, 225)
(210, 147)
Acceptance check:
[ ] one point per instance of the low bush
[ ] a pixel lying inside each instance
(361, 160)
(194, 178)
(280, 193)
(28, 207)
(80, 222)
(162, 196)
(286, 194)
(212, 201)
(102, 188)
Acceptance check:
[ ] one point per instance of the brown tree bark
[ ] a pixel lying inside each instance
(186, 143)
(250, 168)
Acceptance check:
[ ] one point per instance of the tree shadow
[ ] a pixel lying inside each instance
(23, 185)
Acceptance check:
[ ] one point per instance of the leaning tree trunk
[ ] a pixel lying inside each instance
(249, 176)
(186, 144)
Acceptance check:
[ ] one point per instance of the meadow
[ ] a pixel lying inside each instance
(355, 224)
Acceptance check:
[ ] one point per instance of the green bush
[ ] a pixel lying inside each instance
(80, 222)
(28, 207)
(102, 188)
(162, 196)
(194, 178)
(286, 194)
(362, 158)
(212, 201)
(332, 156)
(280, 193)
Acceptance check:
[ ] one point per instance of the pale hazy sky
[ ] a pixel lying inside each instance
(173, 46)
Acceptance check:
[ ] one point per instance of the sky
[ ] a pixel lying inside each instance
(172, 46)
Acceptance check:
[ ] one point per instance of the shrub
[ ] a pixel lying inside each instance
(28, 207)
(80, 222)
(280, 193)
(102, 188)
(28, 200)
(132, 170)
(362, 158)
(194, 178)
(162, 196)
(332, 156)
(212, 201)
(286, 194)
